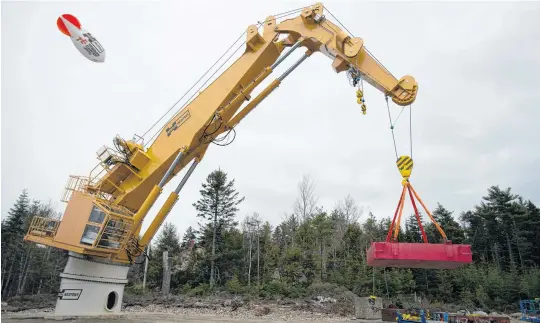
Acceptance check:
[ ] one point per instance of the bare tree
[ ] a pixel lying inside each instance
(289, 225)
(257, 221)
(251, 228)
(345, 212)
(349, 210)
(306, 202)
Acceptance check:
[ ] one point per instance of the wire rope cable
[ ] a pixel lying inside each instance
(410, 127)
(391, 127)
(277, 16)
(352, 35)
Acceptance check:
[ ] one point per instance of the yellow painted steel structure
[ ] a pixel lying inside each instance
(105, 210)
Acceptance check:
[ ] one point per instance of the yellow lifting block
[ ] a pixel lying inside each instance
(405, 166)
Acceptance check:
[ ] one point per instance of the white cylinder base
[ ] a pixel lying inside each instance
(90, 288)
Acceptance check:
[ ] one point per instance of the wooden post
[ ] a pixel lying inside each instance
(166, 274)
(258, 254)
(145, 268)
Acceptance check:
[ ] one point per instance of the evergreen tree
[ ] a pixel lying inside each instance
(412, 230)
(14, 226)
(268, 253)
(371, 228)
(188, 240)
(13, 253)
(498, 213)
(166, 240)
(450, 226)
(218, 206)
(477, 235)
(529, 237)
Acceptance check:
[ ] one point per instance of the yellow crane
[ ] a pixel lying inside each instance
(102, 220)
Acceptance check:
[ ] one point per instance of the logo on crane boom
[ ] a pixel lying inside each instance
(184, 115)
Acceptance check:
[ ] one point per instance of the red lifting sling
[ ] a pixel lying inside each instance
(415, 255)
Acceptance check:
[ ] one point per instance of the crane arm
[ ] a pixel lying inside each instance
(347, 52)
(212, 112)
(133, 179)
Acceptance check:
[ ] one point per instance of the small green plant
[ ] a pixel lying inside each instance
(136, 289)
(275, 288)
(234, 286)
(201, 290)
(186, 288)
(325, 289)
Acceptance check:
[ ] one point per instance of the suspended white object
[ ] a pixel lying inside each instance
(83, 40)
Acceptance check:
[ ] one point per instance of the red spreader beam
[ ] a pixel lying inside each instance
(392, 253)
(418, 255)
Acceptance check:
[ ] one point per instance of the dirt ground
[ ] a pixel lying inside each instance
(154, 318)
(175, 308)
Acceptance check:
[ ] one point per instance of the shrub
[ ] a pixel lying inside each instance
(136, 289)
(186, 288)
(325, 289)
(234, 286)
(201, 290)
(275, 288)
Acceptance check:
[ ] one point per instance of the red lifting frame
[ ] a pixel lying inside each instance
(416, 255)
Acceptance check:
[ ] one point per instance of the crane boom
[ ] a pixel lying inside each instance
(114, 200)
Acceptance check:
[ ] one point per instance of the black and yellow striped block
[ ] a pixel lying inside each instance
(405, 165)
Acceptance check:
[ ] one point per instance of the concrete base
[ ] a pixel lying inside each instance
(90, 288)
(367, 308)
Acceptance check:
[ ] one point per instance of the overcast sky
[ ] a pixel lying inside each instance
(474, 123)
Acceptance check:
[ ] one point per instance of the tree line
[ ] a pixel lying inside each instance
(311, 246)
(26, 267)
(314, 245)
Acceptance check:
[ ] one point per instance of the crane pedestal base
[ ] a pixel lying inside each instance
(418, 255)
(90, 288)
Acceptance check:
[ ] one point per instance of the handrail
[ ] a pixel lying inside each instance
(43, 226)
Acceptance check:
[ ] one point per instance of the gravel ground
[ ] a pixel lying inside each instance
(242, 314)
(319, 309)
(276, 313)
(180, 316)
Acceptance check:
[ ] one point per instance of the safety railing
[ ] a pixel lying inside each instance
(98, 172)
(74, 183)
(105, 166)
(98, 179)
(43, 227)
(89, 184)
(108, 226)
(115, 234)
(112, 209)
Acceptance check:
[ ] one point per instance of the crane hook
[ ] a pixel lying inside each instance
(405, 165)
